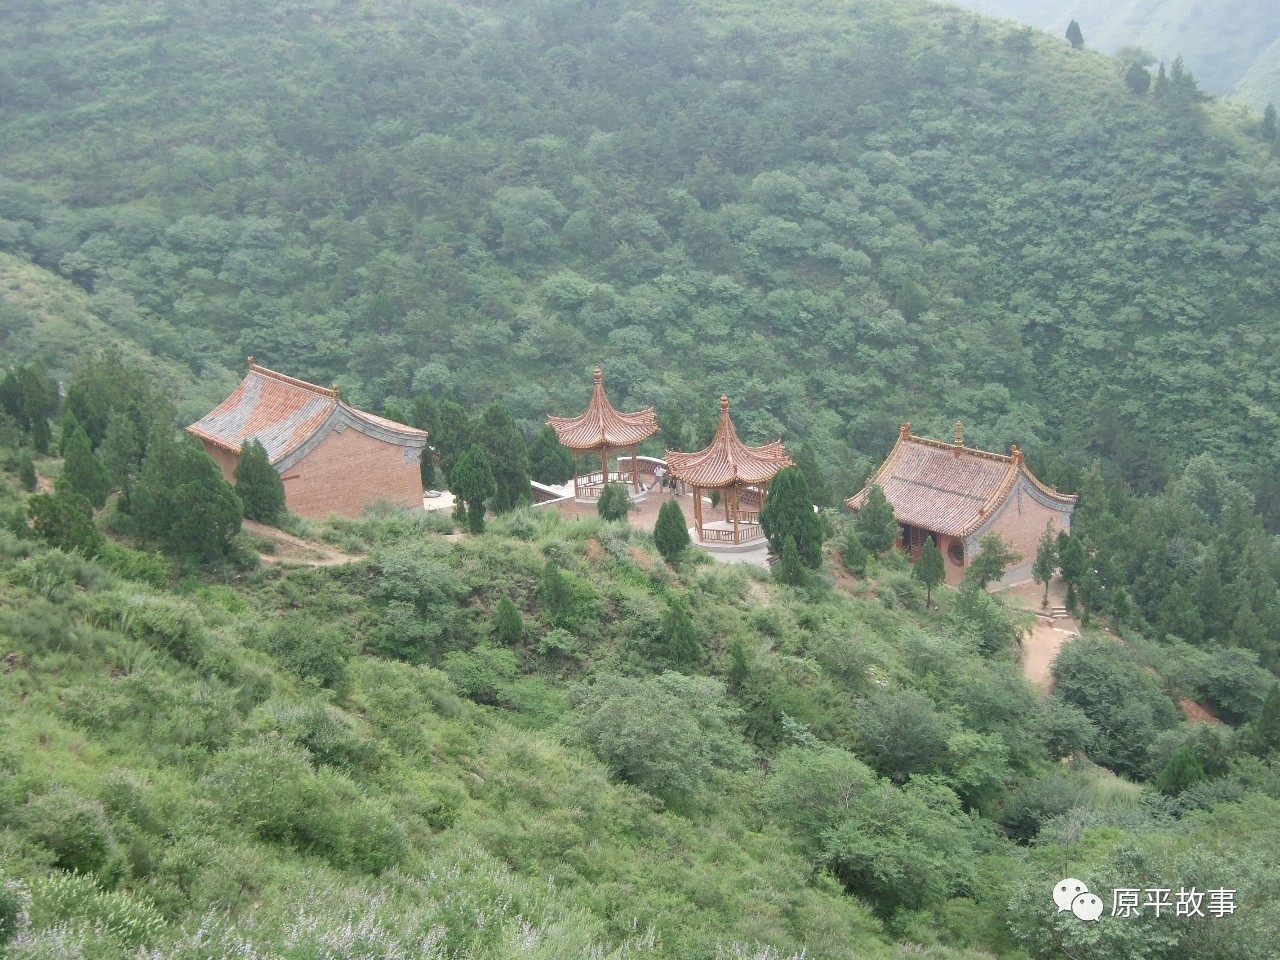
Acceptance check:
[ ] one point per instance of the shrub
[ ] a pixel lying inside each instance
(508, 625)
(483, 674)
(310, 650)
(13, 909)
(57, 576)
(258, 484)
(75, 830)
(671, 532)
(130, 920)
(65, 520)
(141, 566)
(615, 502)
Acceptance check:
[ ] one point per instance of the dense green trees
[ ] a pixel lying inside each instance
(472, 483)
(788, 515)
(876, 526)
(258, 484)
(549, 461)
(182, 500)
(870, 222)
(82, 471)
(497, 435)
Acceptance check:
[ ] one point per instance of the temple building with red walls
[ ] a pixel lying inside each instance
(333, 458)
(957, 495)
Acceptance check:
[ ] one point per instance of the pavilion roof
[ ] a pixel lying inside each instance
(284, 413)
(603, 426)
(728, 460)
(947, 487)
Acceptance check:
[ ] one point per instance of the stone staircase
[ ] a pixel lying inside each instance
(1053, 613)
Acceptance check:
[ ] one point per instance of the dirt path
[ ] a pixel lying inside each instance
(1047, 636)
(294, 551)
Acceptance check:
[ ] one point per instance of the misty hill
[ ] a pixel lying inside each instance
(844, 215)
(1230, 45)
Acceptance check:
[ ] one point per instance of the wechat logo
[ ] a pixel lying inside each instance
(1071, 894)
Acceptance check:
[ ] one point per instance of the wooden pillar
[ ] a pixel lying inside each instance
(604, 465)
(697, 509)
(635, 470)
(725, 497)
(575, 478)
(735, 514)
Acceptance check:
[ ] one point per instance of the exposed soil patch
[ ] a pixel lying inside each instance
(294, 551)
(1041, 644)
(1196, 712)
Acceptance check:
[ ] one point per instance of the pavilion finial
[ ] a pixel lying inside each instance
(724, 403)
(599, 377)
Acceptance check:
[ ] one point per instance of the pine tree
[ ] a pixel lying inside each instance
(507, 623)
(549, 460)
(929, 568)
(424, 413)
(671, 532)
(427, 467)
(471, 482)
(82, 471)
(258, 484)
(680, 643)
(1182, 771)
(876, 525)
(1075, 36)
(1267, 727)
(65, 520)
(854, 554)
(41, 437)
(183, 501)
(1046, 561)
(1247, 630)
(27, 472)
(807, 463)
(994, 557)
(554, 595)
(1178, 616)
(67, 430)
(789, 569)
(122, 452)
(615, 502)
(788, 512)
(453, 439)
(1267, 130)
(501, 440)
(1137, 79)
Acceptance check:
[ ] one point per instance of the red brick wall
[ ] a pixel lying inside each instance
(347, 472)
(954, 571)
(1021, 523)
(224, 459)
(344, 474)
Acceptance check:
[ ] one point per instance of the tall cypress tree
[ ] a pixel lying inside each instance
(929, 568)
(1046, 560)
(500, 439)
(788, 512)
(472, 483)
(1075, 36)
(876, 525)
(258, 484)
(549, 460)
(671, 532)
(182, 499)
(453, 438)
(82, 471)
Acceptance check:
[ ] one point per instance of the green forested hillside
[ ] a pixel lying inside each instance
(843, 214)
(1230, 45)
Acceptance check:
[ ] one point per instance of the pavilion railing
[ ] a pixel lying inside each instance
(745, 532)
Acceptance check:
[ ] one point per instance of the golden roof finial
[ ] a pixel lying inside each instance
(598, 375)
(724, 403)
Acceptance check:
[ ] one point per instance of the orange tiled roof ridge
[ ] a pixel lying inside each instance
(727, 459)
(600, 425)
(283, 413)
(947, 487)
